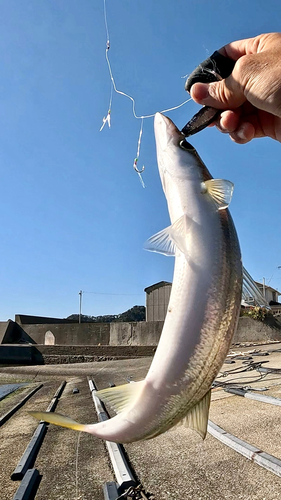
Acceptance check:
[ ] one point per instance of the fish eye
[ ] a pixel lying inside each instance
(186, 145)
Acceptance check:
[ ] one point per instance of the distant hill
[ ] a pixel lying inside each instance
(136, 313)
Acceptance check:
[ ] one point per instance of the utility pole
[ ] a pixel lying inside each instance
(278, 267)
(80, 304)
(263, 287)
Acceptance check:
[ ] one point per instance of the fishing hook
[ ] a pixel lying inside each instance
(136, 168)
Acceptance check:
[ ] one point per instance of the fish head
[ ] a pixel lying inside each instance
(175, 156)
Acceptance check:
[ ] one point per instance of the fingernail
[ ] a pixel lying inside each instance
(200, 91)
(241, 133)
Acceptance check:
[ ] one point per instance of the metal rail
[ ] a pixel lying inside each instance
(15, 408)
(122, 471)
(56, 397)
(27, 486)
(269, 370)
(30, 453)
(257, 397)
(265, 460)
(110, 490)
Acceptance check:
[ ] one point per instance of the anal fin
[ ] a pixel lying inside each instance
(197, 417)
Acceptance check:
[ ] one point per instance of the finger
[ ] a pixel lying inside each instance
(225, 94)
(248, 46)
(228, 121)
(245, 133)
(255, 125)
(240, 48)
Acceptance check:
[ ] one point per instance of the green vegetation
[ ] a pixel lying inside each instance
(136, 313)
(257, 313)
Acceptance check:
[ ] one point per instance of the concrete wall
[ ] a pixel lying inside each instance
(148, 333)
(250, 330)
(12, 333)
(47, 354)
(123, 334)
(20, 354)
(141, 333)
(117, 340)
(3, 330)
(27, 319)
(71, 334)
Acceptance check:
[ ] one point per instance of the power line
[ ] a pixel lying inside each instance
(107, 293)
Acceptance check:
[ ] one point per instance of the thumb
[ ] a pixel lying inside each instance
(225, 94)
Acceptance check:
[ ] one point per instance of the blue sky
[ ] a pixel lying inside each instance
(73, 213)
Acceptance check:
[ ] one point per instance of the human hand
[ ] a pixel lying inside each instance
(251, 95)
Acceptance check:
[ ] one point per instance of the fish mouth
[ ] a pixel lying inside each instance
(168, 134)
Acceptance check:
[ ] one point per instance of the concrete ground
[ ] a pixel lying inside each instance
(176, 465)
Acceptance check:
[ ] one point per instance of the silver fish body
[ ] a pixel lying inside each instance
(205, 299)
(204, 304)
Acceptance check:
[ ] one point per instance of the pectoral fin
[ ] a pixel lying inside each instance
(220, 191)
(197, 417)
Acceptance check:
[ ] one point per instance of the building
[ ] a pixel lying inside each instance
(157, 299)
(268, 292)
(272, 297)
(158, 295)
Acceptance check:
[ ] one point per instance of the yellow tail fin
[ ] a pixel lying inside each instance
(57, 419)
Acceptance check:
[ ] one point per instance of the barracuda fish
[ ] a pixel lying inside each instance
(203, 309)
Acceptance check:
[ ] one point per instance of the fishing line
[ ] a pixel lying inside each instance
(105, 21)
(106, 119)
(139, 172)
(120, 294)
(139, 117)
(241, 381)
(76, 466)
